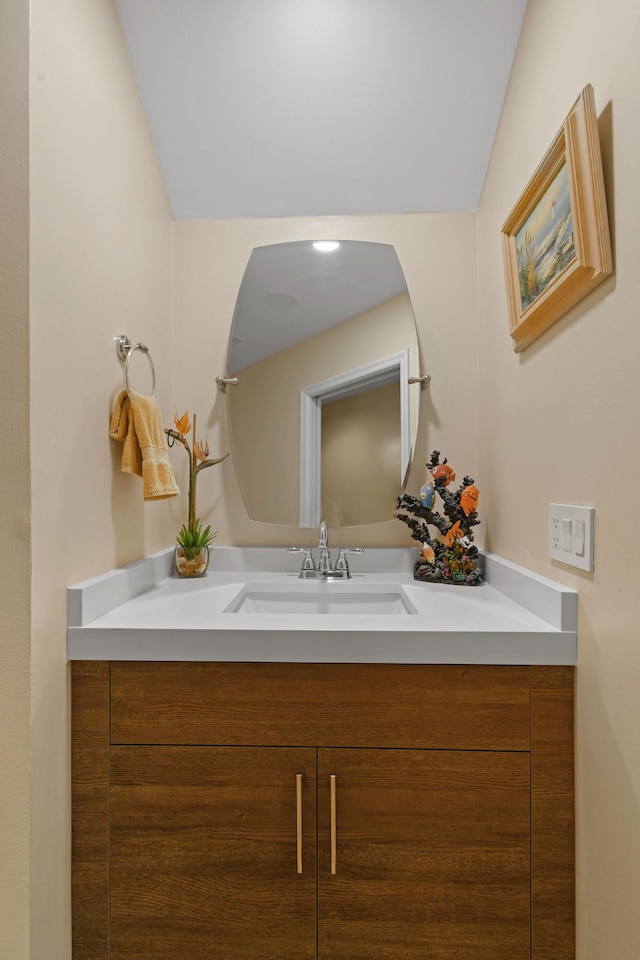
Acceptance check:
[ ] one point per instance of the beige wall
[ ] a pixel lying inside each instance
(264, 412)
(15, 556)
(559, 423)
(438, 256)
(101, 249)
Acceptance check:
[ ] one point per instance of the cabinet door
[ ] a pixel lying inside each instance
(204, 855)
(431, 855)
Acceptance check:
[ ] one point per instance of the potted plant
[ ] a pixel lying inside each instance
(192, 547)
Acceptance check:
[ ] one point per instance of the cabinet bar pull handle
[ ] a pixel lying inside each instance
(332, 783)
(299, 822)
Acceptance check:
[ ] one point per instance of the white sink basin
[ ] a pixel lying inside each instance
(321, 598)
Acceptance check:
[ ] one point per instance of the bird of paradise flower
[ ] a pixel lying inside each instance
(192, 536)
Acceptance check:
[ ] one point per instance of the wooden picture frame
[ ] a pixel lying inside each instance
(556, 241)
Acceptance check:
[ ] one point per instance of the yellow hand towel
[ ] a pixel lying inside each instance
(136, 422)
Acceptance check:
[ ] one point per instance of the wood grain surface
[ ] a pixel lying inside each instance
(203, 854)
(455, 811)
(378, 705)
(432, 855)
(552, 813)
(90, 809)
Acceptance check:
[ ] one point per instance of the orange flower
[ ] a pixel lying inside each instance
(201, 450)
(182, 425)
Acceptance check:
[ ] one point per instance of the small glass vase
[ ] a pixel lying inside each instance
(190, 562)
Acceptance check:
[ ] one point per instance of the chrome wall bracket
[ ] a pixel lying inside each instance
(423, 381)
(223, 382)
(123, 347)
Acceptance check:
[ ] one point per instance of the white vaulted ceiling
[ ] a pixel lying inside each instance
(267, 108)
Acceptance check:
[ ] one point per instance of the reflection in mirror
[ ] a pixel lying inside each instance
(323, 421)
(357, 429)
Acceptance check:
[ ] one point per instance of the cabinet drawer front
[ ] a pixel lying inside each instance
(273, 704)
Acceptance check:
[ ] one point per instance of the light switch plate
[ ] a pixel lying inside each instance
(570, 534)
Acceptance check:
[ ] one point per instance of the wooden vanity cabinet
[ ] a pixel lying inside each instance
(339, 811)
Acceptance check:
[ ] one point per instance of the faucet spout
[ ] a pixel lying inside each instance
(323, 535)
(324, 563)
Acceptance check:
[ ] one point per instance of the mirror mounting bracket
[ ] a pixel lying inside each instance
(223, 382)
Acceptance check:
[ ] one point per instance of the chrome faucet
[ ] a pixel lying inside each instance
(325, 570)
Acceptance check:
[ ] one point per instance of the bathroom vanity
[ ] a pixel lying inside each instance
(274, 806)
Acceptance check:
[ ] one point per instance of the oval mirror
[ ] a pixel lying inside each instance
(323, 420)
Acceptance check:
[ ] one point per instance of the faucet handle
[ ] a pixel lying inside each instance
(308, 563)
(341, 563)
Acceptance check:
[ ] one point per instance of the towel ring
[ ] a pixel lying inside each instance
(143, 349)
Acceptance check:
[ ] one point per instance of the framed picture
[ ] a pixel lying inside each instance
(556, 241)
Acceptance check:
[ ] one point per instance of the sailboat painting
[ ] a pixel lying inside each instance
(544, 243)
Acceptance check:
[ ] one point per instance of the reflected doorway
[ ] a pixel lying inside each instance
(371, 436)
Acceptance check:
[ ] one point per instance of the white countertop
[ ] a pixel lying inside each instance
(141, 612)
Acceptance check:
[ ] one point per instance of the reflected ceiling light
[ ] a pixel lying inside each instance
(326, 246)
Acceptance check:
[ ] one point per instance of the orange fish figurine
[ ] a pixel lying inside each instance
(454, 534)
(469, 499)
(428, 553)
(444, 473)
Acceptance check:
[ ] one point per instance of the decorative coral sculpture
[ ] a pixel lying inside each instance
(449, 556)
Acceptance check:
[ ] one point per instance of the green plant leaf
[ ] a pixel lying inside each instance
(194, 538)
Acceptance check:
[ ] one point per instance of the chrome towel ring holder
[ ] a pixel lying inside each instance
(125, 350)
